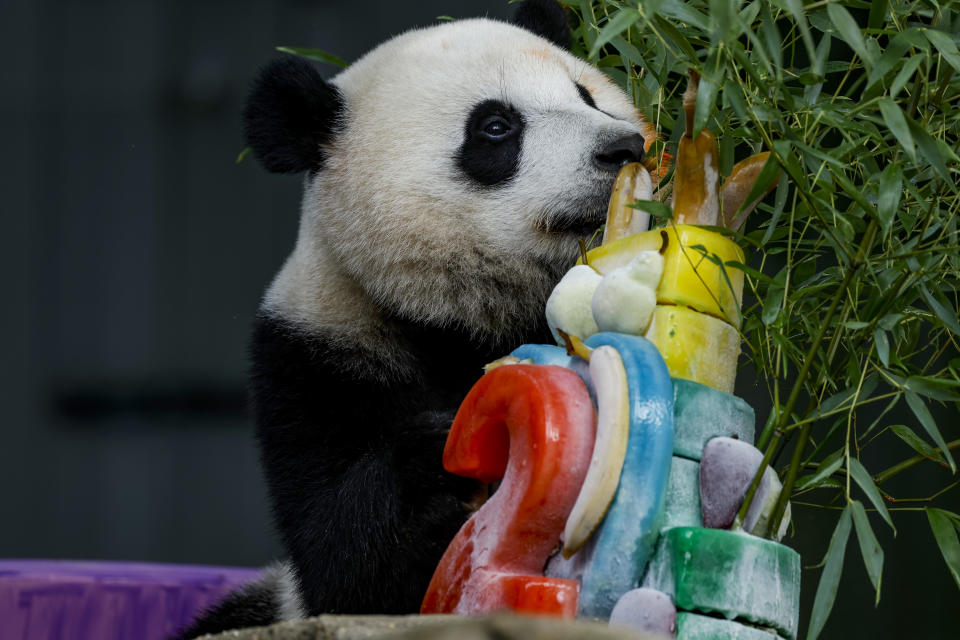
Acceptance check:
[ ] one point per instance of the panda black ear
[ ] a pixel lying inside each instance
(545, 18)
(290, 114)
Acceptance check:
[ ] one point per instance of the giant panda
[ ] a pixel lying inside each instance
(448, 174)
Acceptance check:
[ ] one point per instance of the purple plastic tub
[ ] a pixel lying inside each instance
(64, 600)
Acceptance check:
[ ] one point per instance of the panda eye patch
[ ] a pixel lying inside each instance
(585, 96)
(495, 127)
(492, 142)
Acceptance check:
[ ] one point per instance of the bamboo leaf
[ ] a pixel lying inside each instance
(897, 123)
(928, 147)
(674, 35)
(883, 345)
(849, 31)
(315, 54)
(830, 578)
(659, 210)
(933, 388)
(683, 12)
(945, 45)
(943, 526)
(869, 547)
(827, 468)
(878, 14)
(891, 185)
(618, 23)
(771, 36)
(906, 72)
(916, 443)
(862, 477)
(706, 97)
(795, 7)
(926, 420)
(750, 271)
(948, 318)
(772, 304)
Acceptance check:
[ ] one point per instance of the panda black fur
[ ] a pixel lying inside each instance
(450, 172)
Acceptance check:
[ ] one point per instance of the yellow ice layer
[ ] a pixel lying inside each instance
(690, 278)
(696, 346)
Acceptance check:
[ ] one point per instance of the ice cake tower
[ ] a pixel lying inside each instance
(623, 456)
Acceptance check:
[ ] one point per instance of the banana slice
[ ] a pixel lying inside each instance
(633, 183)
(609, 449)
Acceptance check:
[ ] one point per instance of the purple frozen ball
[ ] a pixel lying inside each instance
(645, 610)
(726, 469)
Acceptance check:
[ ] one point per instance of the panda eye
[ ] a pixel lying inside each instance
(495, 128)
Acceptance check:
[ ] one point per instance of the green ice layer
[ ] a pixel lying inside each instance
(691, 626)
(731, 573)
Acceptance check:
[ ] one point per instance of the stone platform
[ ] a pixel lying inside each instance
(433, 627)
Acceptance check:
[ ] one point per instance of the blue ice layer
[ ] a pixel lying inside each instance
(615, 557)
(625, 539)
(551, 354)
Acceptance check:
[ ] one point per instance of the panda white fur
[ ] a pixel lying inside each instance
(449, 174)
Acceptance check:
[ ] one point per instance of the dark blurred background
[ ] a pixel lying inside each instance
(134, 254)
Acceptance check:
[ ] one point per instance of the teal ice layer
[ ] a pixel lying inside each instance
(731, 573)
(701, 413)
(691, 626)
(681, 505)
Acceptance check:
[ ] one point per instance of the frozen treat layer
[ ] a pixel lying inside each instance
(733, 574)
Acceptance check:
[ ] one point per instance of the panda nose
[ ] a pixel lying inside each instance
(619, 152)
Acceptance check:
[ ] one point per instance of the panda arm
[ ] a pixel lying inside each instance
(353, 465)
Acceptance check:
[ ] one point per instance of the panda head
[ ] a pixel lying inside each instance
(450, 171)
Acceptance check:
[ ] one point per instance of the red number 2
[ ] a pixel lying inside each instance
(533, 426)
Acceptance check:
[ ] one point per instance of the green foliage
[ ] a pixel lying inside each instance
(853, 264)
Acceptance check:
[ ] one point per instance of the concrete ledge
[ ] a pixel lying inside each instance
(433, 627)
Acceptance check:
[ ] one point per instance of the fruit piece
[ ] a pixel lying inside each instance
(730, 573)
(681, 503)
(645, 610)
(633, 183)
(689, 277)
(737, 187)
(701, 414)
(696, 188)
(762, 525)
(617, 553)
(568, 307)
(726, 470)
(696, 346)
(693, 626)
(613, 427)
(624, 300)
(499, 362)
(533, 427)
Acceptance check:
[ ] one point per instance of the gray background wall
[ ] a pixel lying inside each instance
(134, 252)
